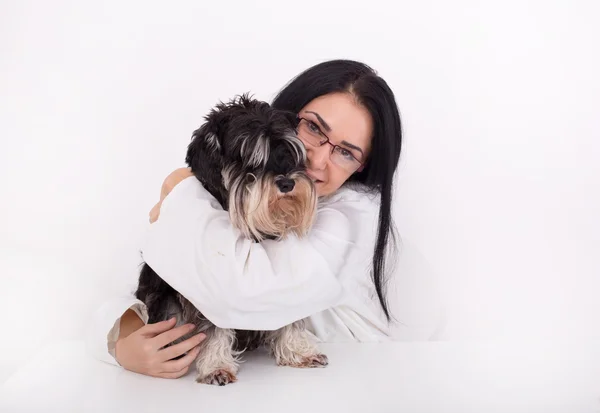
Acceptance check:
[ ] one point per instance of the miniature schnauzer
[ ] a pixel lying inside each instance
(248, 156)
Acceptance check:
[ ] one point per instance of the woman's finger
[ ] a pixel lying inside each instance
(158, 328)
(174, 375)
(167, 337)
(169, 353)
(177, 365)
(154, 212)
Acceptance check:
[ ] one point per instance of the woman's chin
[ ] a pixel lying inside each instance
(321, 188)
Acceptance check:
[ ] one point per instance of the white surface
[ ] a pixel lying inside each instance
(499, 181)
(437, 377)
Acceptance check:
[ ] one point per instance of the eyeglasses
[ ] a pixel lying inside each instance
(311, 133)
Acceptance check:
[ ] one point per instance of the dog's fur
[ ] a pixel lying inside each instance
(248, 156)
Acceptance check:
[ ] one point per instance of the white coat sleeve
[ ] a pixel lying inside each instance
(239, 284)
(103, 330)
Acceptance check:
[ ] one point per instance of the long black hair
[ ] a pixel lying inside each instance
(374, 94)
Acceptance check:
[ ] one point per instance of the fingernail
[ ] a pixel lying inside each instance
(191, 326)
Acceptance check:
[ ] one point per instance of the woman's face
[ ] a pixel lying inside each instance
(348, 125)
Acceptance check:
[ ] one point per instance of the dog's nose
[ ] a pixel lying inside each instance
(285, 185)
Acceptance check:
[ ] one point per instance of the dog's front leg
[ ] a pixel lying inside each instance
(217, 363)
(293, 346)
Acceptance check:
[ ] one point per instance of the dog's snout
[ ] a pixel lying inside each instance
(285, 185)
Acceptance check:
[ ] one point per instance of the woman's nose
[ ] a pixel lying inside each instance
(318, 157)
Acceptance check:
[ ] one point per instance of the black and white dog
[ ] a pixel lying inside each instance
(248, 156)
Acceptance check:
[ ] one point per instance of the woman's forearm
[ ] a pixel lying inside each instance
(130, 322)
(169, 183)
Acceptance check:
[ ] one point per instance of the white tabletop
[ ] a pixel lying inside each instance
(368, 378)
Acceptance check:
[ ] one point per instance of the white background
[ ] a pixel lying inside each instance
(499, 187)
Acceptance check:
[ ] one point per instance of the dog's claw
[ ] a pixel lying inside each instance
(218, 378)
(318, 360)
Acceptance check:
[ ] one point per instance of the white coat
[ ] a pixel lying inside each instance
(323, 278)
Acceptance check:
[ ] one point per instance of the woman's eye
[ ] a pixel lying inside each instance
(314, 128)
(346, 153)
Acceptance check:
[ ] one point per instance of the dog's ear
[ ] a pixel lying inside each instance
(292, 118)
(205, 151)
(247, 102)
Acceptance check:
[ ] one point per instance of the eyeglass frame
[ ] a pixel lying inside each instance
(327, 140)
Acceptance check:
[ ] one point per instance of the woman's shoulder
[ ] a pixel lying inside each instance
(356, 209)
(353, 196)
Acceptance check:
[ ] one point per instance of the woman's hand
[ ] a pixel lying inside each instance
(142, 351)
(170, 182)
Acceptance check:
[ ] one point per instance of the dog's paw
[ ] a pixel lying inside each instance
(218, 378)
(315, 360)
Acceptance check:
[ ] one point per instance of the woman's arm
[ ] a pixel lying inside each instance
(141, 348)
(129, 323)
(237, 283)
(169, 183)
(119, 335)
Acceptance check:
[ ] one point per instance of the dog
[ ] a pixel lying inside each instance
(249, 157)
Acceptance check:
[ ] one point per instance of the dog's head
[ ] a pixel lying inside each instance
(250, 158)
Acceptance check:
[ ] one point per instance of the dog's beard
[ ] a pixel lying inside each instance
(260, 211)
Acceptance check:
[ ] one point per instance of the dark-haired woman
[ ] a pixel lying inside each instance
(335, 278)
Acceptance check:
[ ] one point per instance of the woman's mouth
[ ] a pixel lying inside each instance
(313, 177)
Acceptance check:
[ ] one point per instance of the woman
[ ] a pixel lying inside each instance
(351, 128)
